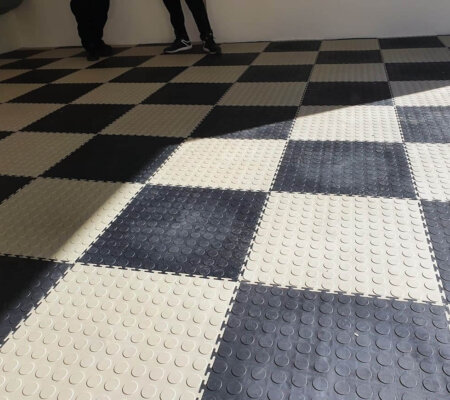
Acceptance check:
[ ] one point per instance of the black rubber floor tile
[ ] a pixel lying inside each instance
(349, 57)
(25, 283)
(80, 118)
(425, 124)
(285, 344)
(121, 62)
(116, 158)
(28, 63)
(236, 122)
(4, 134)
(21, 53)
(189, 93)
(295, 45)
(149, 74)
(56, 93)
(40, 76)
(347, 94)
(411, 42)
(351, 168)
(276, 73)
(434, 71)
(10, 185)
(183, 230)
(437, 217)
(115, 50)
(227, 59)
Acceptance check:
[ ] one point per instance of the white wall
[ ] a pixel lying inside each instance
(9, 33)
(47, 23)
(324, 19)
(50, 23)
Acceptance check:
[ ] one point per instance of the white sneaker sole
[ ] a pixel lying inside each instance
(180, 50)
(206, 50)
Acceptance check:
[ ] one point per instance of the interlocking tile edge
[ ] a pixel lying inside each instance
(258, 224)
(61, 270)
(422, 213)
(142, 186)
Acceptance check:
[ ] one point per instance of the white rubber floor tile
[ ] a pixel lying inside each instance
(69, 63)
(106, 333)
(142, 51)
(119, 93)
(223, 163)
(159, 120)
(286, 58)
(416, 55)
(11, 73)
(445, 40)
(14, 117)
(173, 60)
(354, 245)
(350, 44)
(95, 75)
(255, 47)
(31, 154)
(357, 123)
(264, 94)
(227, 74)
(348, 73)
(421, 93)
(59, 219)
(431, 168)
(9, 91)
(59, 53)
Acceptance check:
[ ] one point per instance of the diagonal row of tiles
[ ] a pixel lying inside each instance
(242, 159)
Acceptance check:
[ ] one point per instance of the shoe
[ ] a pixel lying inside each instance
(104, 50)
(178, 46)
(92, 55)
(210, 46)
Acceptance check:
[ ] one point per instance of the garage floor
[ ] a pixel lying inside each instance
(272, 223)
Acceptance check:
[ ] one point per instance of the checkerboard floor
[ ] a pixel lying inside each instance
(272, 223)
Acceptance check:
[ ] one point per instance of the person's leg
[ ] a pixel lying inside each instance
(91, 18)
(182, 42)
(200, 14)
(101, 16)
(100, 9)
(83, 15)
(177, 18)
(198, 10)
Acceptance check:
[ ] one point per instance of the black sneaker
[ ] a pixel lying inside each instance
(104, 50)
(210, 46)
(178, 46)
(92, 55)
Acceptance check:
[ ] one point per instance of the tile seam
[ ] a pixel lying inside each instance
(419, 201)
(211, 109)
(55, 282)
(18, 190)
(240, 277)
(142, 186)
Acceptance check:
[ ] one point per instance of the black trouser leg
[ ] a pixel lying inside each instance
(198, 10)
(91, 16)
(177, 18)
